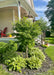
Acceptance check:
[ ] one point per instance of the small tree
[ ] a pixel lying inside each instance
(43, 25)
(26, 32)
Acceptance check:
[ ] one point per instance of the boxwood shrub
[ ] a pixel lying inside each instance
(7, 50)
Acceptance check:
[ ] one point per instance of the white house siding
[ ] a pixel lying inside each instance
(16, 13)
(6, 19)
(31, 3)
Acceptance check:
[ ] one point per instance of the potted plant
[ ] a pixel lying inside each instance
(9, 35)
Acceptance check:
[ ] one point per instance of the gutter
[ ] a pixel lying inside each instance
(31, 9)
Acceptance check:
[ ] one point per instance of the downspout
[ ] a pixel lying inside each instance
(19, 12)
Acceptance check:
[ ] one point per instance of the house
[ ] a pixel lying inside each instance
(11, 9)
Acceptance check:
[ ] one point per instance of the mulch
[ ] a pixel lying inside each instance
(47, 64)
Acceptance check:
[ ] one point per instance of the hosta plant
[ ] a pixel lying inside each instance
(16, 63)
(44, 46)
(37, 53)
(33, 62)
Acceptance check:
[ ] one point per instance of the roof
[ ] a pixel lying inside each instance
(24, 4)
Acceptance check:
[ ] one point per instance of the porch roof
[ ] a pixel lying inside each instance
(24, 4)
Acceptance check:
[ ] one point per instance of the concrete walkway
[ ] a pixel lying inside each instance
(51, 44)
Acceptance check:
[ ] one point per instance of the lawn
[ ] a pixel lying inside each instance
(3, 72)
(50, 52)
(50, 40)
(50, 72)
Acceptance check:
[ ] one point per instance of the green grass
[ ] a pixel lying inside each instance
(50, 40)
(50, 52)
(3, 72)
(49, 72)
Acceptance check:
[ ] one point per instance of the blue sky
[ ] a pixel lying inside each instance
(40, 8)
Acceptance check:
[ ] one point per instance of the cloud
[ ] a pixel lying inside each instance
(40, 8)
(43, 0)
(40, 11)
(46, 0)
(43, 8)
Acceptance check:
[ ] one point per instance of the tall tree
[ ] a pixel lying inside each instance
(50, 13)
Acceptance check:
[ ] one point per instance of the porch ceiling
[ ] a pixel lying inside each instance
(24, 4)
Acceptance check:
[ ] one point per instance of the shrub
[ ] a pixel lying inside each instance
(48, 33)
(2, 50)
(2, 47)
(27, 31)
(36, 58)
(16, 63)
(37, 53)
(8, 50)
(44, 46)
(22, 48)
(33, 62)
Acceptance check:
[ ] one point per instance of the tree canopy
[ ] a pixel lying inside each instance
(50, 13)
(43, 24)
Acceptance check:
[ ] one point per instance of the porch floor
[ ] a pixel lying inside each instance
(7, 39)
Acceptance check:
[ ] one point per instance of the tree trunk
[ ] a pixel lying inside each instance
(27, 52)
(41, 39)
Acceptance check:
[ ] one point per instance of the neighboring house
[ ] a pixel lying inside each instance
(11, 9)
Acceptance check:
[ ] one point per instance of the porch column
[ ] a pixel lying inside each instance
(13, 16)
(29, 14)
(19, 12)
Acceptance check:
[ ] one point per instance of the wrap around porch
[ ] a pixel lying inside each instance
(11, 10)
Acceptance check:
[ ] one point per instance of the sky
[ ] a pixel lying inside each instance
(40, 8)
